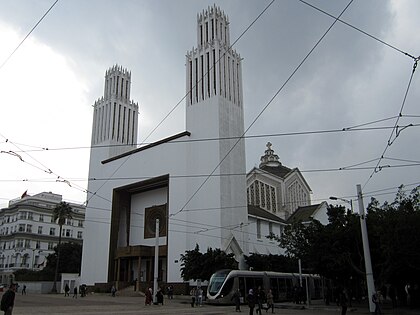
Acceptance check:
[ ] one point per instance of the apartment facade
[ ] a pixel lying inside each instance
(28, 233)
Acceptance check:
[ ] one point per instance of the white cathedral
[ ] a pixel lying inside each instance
(197, 189)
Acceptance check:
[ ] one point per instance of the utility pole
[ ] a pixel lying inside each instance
(366, 250)
(155, 276)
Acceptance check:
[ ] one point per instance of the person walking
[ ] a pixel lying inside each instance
(376, 301)
(159, 296)
(200, 296)
(8, 300)
(192, 293)
(343, 301)
(66, 290)
(113, 291)
(251, 301)
(270, 301)
(24, 290)
(75, 292)
(148, 296)
(236, 298)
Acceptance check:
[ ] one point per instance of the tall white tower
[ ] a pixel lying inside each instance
(214, 110)
(115, 118)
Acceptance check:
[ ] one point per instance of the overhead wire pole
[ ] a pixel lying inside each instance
(366, 249)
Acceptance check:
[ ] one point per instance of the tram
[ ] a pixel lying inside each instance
(224, 283)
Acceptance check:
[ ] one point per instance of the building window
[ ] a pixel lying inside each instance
(273, 199)
(19, 244)
(52, 219)
(267, 197)
(30, 216)
(252, 195)
(258, 228)
(21, 227)
(41, 218)
(52, 231)
(262, 195)
(80, 223)
(39, 229)
(270, 228)
(257, 193)
(38, 245)
(79, 234)
(29, 228)
(22, 215)
(69, 233)
(50, 245)
(27, 244)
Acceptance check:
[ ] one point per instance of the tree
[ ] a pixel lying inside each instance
(280, 263)
(196, 265)
(70, 258)
(61, 212)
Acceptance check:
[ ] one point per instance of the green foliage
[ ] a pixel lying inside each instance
(280, 263)
(31, 275)
(336, 250)
(70, 258)
(62, 212)
(196, 265)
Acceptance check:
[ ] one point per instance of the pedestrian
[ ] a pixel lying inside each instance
(192, 293)
(24, 290)
(159, 296)
(236, 298)
(260, 299)
(148, 296)
(170, 292)
(199, 296)
(376, 300)
(66, 290)
(251, 301)
(113, 290)
(75, 292)
(270, 301)
(8, 300)
(343, 301)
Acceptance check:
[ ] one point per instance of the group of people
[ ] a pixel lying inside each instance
(196, 297)
(82, 291)
(256, 299)
(149, 296)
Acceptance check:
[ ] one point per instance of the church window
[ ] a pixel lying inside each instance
(118, 81)
(201, 34)
(113, 121)
(119, 121)
(228, 66)
(267, 197)
(273, 199)
(220, 73)
(257, 193)
(258, 228)
(208, 74)
(126, 90)
(128, 126)
(248, 197)
(237, 82)
(214, 71)
(262, 195)
(191, 79)
(196, 80)
(202, 77)
(233, 82)
(224, 73)
(270, 227)
(122, 86)
(207, 31)
(132, 131)
(212, 28)
(252, 194)
(123, 126)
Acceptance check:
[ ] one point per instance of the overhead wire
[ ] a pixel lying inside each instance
(27, 35)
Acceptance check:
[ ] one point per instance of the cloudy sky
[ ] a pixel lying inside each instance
(48, 87)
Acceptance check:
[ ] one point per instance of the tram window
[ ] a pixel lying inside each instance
(259, 283)
(289, 288)
(282, 289)
(274, 288)
(227, 287)
(242, 286)
(249, 284)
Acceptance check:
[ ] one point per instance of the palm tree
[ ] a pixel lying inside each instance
(61, 212)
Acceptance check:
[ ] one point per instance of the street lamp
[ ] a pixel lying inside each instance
(345, 200)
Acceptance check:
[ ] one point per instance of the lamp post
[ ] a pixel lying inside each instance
(345, 200)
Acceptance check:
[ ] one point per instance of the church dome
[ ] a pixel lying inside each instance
(269, 158)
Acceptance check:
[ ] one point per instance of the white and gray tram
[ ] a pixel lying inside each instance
(224, 283)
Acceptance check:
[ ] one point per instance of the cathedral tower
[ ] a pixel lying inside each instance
(115, 118)
(214, 110)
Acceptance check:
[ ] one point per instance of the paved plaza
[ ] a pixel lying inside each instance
(105, 304)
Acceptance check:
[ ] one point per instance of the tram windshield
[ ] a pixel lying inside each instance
(216, 281)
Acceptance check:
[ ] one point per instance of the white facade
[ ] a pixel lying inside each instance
(28, 234)
(168, 179)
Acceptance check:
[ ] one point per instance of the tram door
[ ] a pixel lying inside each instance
(253, 283)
